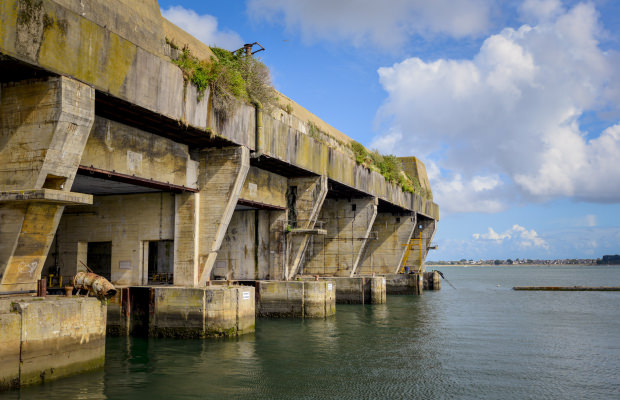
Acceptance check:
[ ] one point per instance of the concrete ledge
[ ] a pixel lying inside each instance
(295, 299)
(43, 339)
(46, 196)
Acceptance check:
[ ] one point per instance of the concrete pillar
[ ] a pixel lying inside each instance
(348, 223)
(378, 290)
(44, 126)
(384, 251)
(307, 196)
(432, 280)
(277, 244)
(201, 219)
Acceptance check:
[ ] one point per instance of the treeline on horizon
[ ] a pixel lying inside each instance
(605, 260)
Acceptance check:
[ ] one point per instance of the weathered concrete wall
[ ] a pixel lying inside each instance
(44, 126)
(295, 299)
(239, 255)
(253, 247)
(282, 142)
(113, 146)
(348, 223)
(384, 251)
(50, 338)
(99, 45)
(128, 221)
(264, 188)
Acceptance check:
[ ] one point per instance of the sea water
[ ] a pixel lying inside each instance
(481, 340)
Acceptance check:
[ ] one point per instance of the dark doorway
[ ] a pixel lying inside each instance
(99, 258)
(161, 266)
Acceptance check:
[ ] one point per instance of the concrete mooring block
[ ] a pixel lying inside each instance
(403, 284)
(183, 312)
(43, 339)
(359, 290)
(295, 299)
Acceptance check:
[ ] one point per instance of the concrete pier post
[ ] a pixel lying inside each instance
(378, 290)
(44, 126)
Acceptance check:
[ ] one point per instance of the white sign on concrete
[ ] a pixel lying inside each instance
(124, 265)
(329, 286)
(246, 295)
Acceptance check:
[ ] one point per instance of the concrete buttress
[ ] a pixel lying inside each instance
(204, 216)
(44, 126)
(348, 223)
(384, 252)
(307, 196)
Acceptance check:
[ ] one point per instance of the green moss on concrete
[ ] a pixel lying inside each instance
(29, 12)
(229, 76)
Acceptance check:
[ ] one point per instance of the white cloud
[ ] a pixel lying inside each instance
(385, 24)
(513, 109)
(492, 235)
(525, 239)
(540, 10)
(203, 27)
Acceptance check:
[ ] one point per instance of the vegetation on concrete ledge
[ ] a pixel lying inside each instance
(389, 166)
(229, 76)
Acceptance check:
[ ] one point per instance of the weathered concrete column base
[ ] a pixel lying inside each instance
(359, 290)
(182, 312)
(42, 339)
(295, 299)
(432, 280)
(404, 284)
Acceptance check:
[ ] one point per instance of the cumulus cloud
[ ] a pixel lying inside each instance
(520, 235)
(385, 24)
(513, 109)
(203, 27)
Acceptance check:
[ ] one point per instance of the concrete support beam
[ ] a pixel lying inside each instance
(44, 126)
(348, 223)
(384, 251)
(306, 196)
(202, 218)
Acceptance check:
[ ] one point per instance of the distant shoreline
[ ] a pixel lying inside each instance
(511, 265)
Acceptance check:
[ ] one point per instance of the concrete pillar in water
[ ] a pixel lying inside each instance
(306, 198)
(384, 251)
(201, 219)
(348, 223)
(44, 126)
(378, 290)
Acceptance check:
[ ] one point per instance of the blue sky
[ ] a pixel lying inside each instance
(514, 106)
